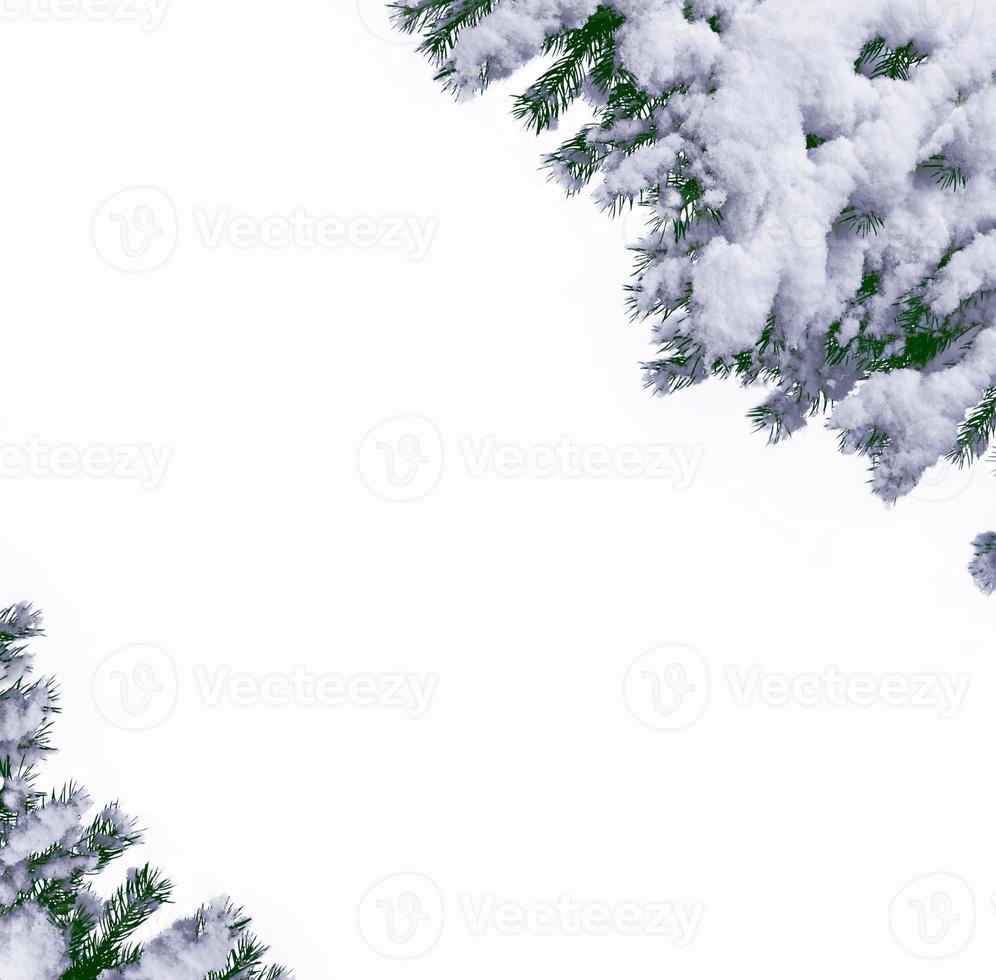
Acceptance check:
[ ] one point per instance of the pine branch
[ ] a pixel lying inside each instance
(441, 21)
(947, 175)
(49, 852)
(586, 54)
(976, 432)
(862, 223)
(106, 945)
(878, 60)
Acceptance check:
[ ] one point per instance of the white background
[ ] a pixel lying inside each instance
(793, 828)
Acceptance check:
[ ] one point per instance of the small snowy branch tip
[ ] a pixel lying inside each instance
(54, 924)
(819, 181)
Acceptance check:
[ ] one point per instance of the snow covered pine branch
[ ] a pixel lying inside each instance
(53, 925)
(819, 182)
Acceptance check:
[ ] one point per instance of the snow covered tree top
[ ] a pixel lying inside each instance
(819, 178)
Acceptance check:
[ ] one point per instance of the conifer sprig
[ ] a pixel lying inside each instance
(51, 857)
(671, 138)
